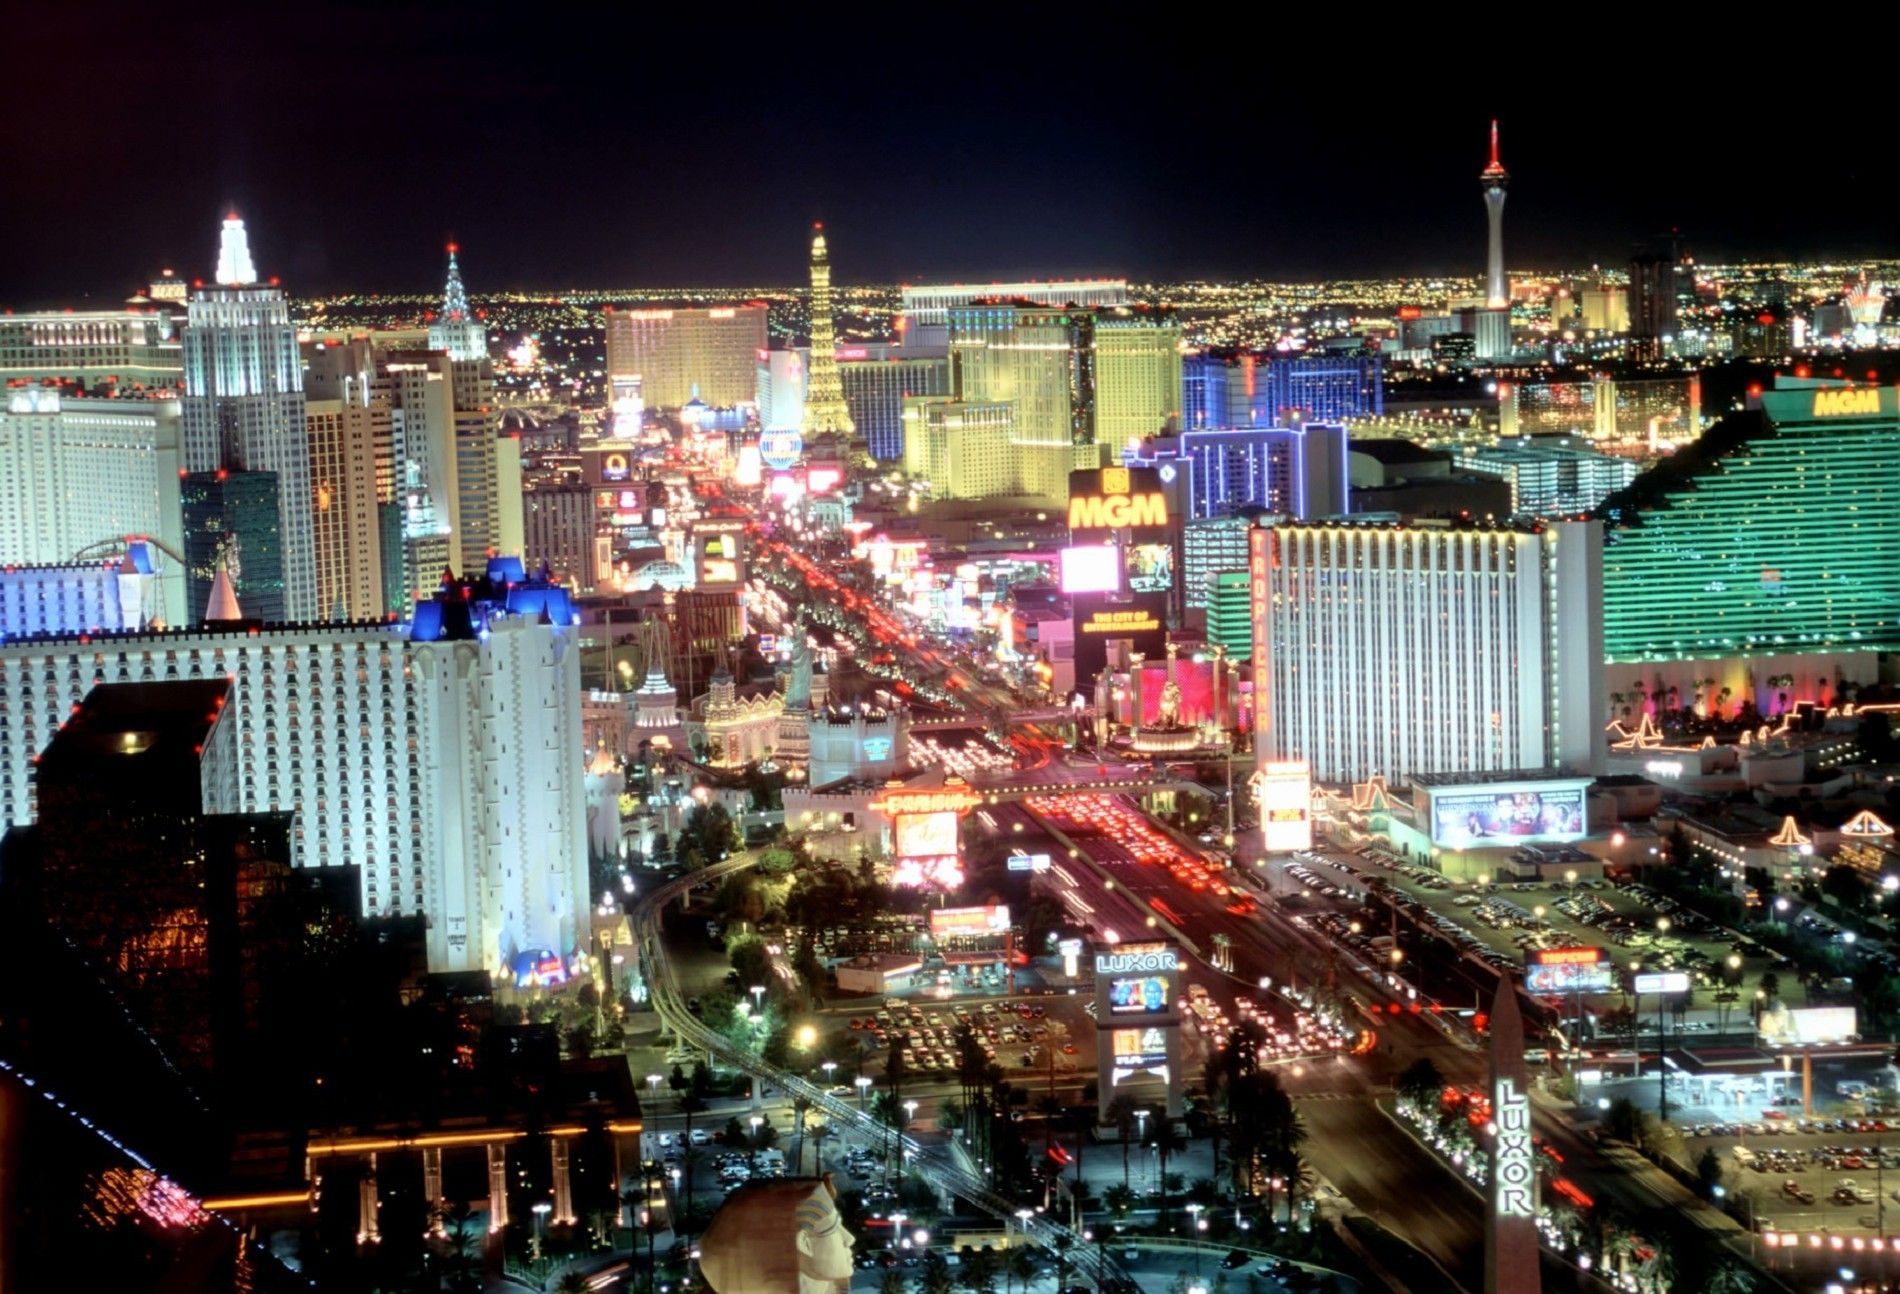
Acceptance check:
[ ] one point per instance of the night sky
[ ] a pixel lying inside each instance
(579, 148)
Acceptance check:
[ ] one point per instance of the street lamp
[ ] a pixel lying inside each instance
(541, 1211)
(828, 1066)
(752, 1148)
(758, 997)
(863, 1084)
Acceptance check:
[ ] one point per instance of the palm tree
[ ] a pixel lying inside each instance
(1299, 1181)
(1166, 1141)
(801, 1106)
(934, 1276)
(1421, 1083)
(1019, 1263)
(891, 1282)
(1730, 1277)
(1121, 1113)
(464, 1241)
(1119, 1199)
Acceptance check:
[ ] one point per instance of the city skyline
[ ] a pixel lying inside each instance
(1020, 177)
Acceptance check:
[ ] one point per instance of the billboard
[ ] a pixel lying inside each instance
(780, 448)
(1150, 568)
(1138, 995)
(1569, 970)
(1806, 1026)
(966, 923)
(925, 835)
(1029, 862)
(1091, 568)
(1463, 817)
(1125, 508)
(720, 550)
(1661, 982)
(1283, 788)
(1139, 1051)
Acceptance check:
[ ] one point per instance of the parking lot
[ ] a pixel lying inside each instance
(1806, 1174)
(1503, 924)
(1015, 1034)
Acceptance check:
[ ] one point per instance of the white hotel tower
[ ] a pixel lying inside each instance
(1396, 650)
(243, 405)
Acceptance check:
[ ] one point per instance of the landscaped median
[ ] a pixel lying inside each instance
(1454, 1124)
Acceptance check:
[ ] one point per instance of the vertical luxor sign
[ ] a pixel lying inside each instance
(1512, 1156)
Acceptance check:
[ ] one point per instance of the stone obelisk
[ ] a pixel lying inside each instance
(1511, 1261)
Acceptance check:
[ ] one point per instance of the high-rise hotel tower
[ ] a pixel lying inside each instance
(243, 408)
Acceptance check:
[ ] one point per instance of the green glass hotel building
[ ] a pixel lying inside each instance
(1775, 535)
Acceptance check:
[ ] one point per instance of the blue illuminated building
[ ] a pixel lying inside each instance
(1279, 390)
(1297, 472)
(461, 609)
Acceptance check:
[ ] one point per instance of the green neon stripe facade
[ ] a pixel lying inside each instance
(1789, 542)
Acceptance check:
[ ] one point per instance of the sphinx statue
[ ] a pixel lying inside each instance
(778, 1237)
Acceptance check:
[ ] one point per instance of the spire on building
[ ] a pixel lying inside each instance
(234, 255)
(222, 606)
(1494, 180)
(454, 295)
(825, 409)
(456, 330)
(1495, 170)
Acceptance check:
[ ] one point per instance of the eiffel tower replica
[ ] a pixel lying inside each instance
(827, 418)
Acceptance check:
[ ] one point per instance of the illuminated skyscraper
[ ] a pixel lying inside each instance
(1495, 179)
(825, 409)
(456, 330)
(243, 405)
(708, 351)
(1781, 535)
(1398, 650)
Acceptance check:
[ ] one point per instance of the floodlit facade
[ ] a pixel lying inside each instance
(965, 450)
(450, 768)
(1393, 650)
(119, 593)
(926, 307)
(1280, 390)
(1027, 358)
(125, 350)
(1136, 361)
(1550, 475)
(78, 473)
(677, 352)
(243, 402)
(877, 379)
(346, 522)
(1787, 542)
(1298, 472)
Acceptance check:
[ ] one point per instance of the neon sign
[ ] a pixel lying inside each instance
(1136, 959)
(1512, 1156)
(1094, 512)
(1835, 404)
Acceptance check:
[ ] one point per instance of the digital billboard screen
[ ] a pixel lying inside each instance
(1150, 568)
(925, 835)
(1284, 791)
(969, 922)
(1142, 994)
(1090, 568)
(1569, 970)
(1504, 817)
